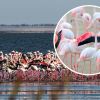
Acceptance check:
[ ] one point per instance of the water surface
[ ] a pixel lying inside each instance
(51, 91)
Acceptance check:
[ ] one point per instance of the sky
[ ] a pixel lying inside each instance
(38, 11)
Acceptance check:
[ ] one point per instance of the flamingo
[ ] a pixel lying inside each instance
(79, 13)
(65, 38)
(66, 42)
(86, 19)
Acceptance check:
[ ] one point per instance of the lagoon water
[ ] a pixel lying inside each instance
(26, 42)
(50, 91)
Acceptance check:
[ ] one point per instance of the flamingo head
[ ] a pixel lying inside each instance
(66, 25)
(86, 18)
(96, 19)
(77, 12)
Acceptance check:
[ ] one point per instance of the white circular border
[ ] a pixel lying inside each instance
(54, 41)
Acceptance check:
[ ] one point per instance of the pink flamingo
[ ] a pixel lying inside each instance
(78, 13)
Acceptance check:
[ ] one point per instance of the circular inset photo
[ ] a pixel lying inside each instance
(77, 40)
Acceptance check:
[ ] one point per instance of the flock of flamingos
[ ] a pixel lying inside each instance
(68, 39)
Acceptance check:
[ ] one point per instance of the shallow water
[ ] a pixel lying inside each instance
(51, 91)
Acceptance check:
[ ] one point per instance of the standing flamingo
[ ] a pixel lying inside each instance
(64, 45)
(78, 13)
(64, 36)
(87, 20)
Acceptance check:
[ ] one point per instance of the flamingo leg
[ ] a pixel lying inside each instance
(66, 57)
(83, 67)
(98, 64)
(77, 54)
(71, 61)
(76, 66)
(90, 66)
(75, 57)
(84, 63)
(75, 62)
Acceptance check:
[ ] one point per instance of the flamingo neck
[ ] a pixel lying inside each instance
(76, 27)
(59, 38)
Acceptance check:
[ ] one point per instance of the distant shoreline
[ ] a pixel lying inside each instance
(22, 32)
(27, 28)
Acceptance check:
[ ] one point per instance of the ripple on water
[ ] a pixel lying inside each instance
(46, 91)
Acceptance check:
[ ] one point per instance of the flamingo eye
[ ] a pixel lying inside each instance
(98, 20)
(81, 14)
(87, 18)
